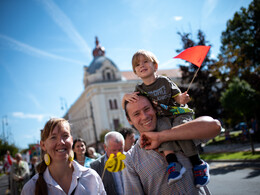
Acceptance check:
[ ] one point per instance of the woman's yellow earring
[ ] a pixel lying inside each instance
(71, 157)
(47, 159)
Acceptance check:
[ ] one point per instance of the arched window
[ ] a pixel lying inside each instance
(111, 104)
(115, 104)
(108, 76)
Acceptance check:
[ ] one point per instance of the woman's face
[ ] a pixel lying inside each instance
(80, 148)
(59, 143)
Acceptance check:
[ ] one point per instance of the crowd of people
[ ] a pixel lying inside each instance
(69, 166)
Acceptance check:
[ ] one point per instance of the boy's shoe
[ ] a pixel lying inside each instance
(175, 170)
(201, 174)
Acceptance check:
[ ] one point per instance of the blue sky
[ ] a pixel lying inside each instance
(44, 45)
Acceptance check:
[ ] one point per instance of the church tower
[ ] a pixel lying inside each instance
(101, 69)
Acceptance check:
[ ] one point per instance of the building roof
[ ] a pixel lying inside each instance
(97, 63)
(172, 73)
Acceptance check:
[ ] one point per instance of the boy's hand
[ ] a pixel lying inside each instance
(150, 140)
(131, 97)
(183, 98)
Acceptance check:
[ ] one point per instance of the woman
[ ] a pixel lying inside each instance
(57, 173)
(80, 152)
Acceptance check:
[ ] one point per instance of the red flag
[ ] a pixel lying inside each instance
(195, 54)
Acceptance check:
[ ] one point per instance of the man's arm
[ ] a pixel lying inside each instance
(203, 127)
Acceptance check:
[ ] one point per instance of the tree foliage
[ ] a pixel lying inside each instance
(240, 50)
(205, 91)
(239, 100)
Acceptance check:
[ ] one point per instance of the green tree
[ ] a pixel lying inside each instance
(241, 47)
(205, 91)
(239, 101)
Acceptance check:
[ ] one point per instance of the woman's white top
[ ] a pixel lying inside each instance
(85, 180)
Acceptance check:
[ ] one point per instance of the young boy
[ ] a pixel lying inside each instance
(172, 110)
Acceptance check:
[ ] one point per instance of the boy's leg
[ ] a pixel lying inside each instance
(200, 168)
(174, 169)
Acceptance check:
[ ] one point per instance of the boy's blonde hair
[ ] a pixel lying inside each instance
(147, 54)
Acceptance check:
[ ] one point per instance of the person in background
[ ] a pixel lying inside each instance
(58, 173)
(33, 166)
(145, 165)
(113, 182)
(92, 153)
(20, 174)
(80, 152)
(8, 161)
(129, 136)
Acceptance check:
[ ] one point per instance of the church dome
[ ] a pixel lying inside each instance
(101, 69)
(98, 62)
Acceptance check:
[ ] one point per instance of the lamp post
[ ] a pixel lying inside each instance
(94, 126)
(4, 123)
(63, 103)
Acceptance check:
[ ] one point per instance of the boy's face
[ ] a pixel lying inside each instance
(144, 67)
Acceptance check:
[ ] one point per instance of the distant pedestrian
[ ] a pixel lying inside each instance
(32, 166)
(8, 161)
(92, 153)
(80, 152)
(19, 174)
(129, 136)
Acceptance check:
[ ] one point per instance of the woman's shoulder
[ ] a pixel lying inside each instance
(29, 187)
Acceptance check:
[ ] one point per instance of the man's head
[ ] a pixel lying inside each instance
(34, 160)
(141, 114)
(114, 143)
(129, 136)
(18, 157)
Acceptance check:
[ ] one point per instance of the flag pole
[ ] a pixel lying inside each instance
(193, 79)
(103, 173)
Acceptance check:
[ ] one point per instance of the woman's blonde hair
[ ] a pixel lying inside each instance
(41, 186)
(147, 54)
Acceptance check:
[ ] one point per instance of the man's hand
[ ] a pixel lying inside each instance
(150, 140)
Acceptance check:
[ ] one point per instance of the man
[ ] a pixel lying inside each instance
(20, 174)
(32, 166)
(129, 136)
(113, 182)
(92, 153)
(145, 169)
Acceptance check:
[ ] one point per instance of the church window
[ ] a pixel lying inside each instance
(113, 104)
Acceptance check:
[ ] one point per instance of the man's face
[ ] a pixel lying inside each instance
(129, 141)
(142, 115)
(114, 147)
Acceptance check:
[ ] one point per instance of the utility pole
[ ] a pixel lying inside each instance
(63, 103)
(4, 123)
(94, 126)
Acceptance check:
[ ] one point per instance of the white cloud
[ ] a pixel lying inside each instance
(22, 47)
(38, 117)
(66, 25)
(177, 18)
